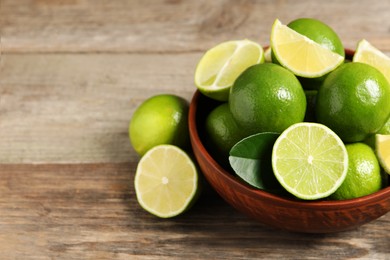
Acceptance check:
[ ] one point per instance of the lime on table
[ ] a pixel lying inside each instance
(363, 176)
(300, 54)
(367, 53)
(161, 119)
(221, 65)
(309, 160)
(166, 181)
(382, 147)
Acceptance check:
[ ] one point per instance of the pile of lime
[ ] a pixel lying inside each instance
(317, 123)
(166, 181)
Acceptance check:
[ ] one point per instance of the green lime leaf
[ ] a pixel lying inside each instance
(250, 159)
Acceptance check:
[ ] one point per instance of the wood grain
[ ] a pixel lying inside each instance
(171, 26)
(89, 211)
(77, 108)
(72, 73)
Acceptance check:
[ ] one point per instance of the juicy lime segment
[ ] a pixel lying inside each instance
(309, 160)
(319, 32)
(220, 66)
(301, 55)
(382, 146)
(367, 53)
(166, 181)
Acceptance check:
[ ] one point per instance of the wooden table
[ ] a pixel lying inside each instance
(71, 74)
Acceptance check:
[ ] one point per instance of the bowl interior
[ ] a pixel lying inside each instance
(231, 187)
(203, 106)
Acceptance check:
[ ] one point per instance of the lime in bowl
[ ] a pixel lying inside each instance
(279, 211)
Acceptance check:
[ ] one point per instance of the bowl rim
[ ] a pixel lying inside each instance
(244, 187)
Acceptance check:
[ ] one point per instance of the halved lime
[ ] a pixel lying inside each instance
(166, 181)
(301, 55)
(220, 66)
(309, 160)
(367, 53)
(382, 149)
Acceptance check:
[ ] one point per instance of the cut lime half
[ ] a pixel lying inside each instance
(309, 160)
(221, 65)
(166, 181)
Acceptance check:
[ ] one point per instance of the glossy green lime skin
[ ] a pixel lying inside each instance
(222, 131)
(267, 98)
(363, 176)
(161, 119)
(354, 101)
(385, 130)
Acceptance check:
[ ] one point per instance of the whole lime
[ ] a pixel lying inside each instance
(354, 101)
(161, 119)
(363, 175)
(222, 132)
(267, 98)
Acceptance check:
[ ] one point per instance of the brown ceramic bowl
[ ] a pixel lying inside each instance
(280, 212)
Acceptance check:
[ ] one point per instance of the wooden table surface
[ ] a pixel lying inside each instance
(71, 74)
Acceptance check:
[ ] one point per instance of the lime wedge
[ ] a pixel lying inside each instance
(166, 181)
(382, 149)
(220, 66)
(367, 53)
(309, 160)
(268, 55)
(301, 55)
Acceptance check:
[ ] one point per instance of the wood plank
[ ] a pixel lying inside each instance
(89, 211)
(76, 108)
(72, 73)
(163, 26)
(70, 108)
